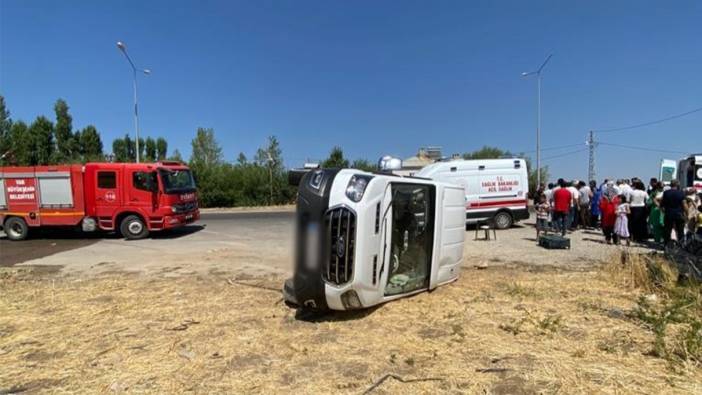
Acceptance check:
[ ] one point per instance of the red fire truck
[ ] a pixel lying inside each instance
(132, 198)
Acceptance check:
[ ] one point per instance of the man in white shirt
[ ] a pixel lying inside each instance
(625, 189)
(584, 201)
(573, 215)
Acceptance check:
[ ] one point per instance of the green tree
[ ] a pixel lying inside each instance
(241, 160)
(5, 126)
(271, 157)
(209, 169)
(363, 164)
(336, 159)
(149, 150)
(65, 142)
(121, 149)
(487, 153)
(532, 176)
(176, 156)
(161, 148)
(206, 150)
(41, 133)
(90, 144)
(21, 145)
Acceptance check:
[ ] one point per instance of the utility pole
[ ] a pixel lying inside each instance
(591, 165)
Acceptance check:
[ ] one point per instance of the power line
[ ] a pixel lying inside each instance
(642, 148)
(640, 125)
(566, 154)
(553, 148)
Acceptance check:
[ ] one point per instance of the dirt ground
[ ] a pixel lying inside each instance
(532, 321)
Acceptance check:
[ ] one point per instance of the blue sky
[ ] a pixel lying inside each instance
(375, 77)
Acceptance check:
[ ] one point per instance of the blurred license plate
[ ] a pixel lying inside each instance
(312, 246)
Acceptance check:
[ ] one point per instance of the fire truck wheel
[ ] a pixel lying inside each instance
(133, 228)
(503, 220)
(16, 228)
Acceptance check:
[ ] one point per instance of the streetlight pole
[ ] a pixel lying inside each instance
(123, 48)
(538, 117)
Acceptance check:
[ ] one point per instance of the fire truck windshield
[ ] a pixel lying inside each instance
(177, 181)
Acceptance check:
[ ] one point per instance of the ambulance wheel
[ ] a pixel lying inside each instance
(503, 220)
(133, 228)
(16, 228)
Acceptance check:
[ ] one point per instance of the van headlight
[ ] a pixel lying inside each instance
(357, 186)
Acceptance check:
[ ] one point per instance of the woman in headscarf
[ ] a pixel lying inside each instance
(655, 216)
(637, 220)
(608, 209)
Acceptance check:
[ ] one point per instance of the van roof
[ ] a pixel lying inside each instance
(471, 164)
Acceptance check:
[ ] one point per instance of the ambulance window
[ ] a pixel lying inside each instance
(141, 180)
(107, 179)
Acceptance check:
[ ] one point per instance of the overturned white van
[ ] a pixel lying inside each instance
(367, 238)
(495, 189)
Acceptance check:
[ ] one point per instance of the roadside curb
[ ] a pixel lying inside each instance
(255, 209)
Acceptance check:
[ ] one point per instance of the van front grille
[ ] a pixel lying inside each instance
(341, 233)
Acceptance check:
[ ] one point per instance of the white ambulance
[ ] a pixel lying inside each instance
(496, 189)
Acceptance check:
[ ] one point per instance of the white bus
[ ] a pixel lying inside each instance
(495, 189)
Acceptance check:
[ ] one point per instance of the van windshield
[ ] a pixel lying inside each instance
(177, 181)
(667, 173)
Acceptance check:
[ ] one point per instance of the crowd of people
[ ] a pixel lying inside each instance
(625, 210)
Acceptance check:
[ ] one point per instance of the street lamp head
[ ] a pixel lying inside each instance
(524, 74)
(121, 46)
(146, 71)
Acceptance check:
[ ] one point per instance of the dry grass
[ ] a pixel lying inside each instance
(647, 273)
(670, 310)
(568, 332)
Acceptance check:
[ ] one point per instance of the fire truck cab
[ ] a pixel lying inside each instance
(133, 199)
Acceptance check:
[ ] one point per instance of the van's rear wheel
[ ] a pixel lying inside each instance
(16, 228)
(133, 228)
(503, 220)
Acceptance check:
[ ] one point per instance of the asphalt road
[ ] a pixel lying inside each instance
(213, 230)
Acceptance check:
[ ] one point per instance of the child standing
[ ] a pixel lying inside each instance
(621, 225)
(542, 211)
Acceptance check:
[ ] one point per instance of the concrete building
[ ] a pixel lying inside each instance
(425, 156)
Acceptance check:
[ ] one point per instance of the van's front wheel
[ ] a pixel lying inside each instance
(16, 228)
(503, 220)
(133, 228)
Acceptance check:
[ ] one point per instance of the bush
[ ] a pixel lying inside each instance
(227, 185)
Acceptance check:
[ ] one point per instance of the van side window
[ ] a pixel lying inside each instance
(140, 180)
(107, 179)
